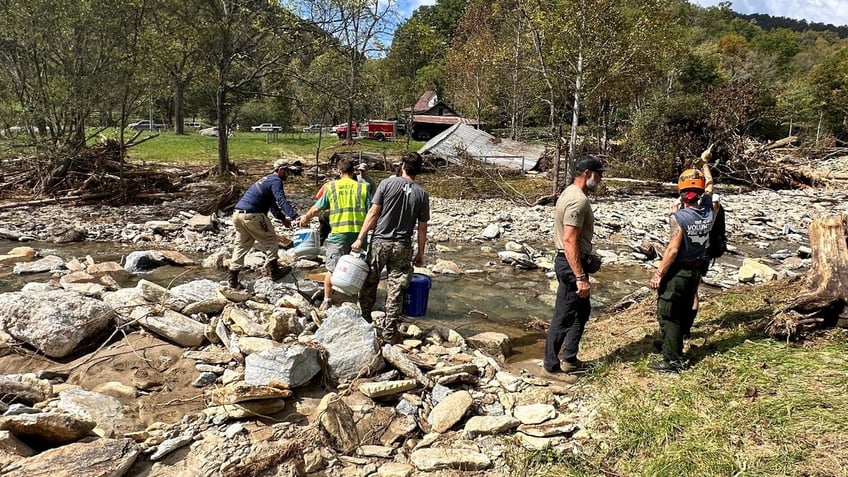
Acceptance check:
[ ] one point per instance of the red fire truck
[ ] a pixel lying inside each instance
(341, 130)
(369, 129)
(379, 130)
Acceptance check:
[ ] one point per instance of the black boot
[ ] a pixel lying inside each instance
(275, 271)
(232, 280)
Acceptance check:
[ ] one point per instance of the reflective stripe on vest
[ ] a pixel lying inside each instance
(347, 200)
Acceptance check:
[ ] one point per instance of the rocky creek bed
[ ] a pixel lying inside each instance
(107, 373)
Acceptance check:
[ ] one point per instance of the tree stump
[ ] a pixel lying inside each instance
(824, 302)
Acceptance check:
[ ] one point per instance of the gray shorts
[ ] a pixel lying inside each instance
(334, 252)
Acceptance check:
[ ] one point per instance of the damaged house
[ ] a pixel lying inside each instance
(461, 142)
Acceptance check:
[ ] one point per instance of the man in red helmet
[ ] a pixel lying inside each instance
(679, 272)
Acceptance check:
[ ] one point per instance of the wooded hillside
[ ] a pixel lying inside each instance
(647, 84)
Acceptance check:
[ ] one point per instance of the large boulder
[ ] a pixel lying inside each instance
(197, 290)
(491, 342)
(294, 365)
(47, 429)
(144, 261)
(172, 326)
(351, 343)
(18, 254)
(104, 410)
(337, 419)
(124, 301)
(99, 458)
(49, 263)
(449, 411)
(55, 322)
(24, 389)
(428, 460)
(274, 291)
(158, 294)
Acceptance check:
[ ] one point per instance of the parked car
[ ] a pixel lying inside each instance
(146, 125)
(193, 125)
(266, 127)
(213, 132)
(15, 130)
(314, 128)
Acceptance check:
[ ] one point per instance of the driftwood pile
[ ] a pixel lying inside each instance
(95, 172)
(775, 165)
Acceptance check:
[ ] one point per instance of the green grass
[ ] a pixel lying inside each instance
(750, 405)
(254, 147)
(257, 149)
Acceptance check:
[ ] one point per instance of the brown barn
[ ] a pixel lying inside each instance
(431, 115)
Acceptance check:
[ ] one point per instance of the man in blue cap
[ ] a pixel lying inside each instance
(250, 218)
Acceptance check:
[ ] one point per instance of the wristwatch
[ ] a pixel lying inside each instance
(582, 278)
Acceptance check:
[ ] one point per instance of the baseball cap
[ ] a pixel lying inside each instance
(362, 166)
(285, 164)
(590, 163)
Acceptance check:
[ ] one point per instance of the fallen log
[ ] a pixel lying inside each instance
(778, 144)
(55, 200)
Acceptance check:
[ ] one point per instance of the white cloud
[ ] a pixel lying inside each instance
(406, 7)
(822, 11)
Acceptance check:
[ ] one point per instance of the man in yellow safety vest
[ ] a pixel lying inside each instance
(347, 201)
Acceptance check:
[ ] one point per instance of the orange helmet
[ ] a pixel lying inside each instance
(691, 180)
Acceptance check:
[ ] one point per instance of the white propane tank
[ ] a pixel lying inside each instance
(306, 244)
(349, 274)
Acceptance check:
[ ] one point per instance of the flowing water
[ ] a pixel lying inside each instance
(496, 297)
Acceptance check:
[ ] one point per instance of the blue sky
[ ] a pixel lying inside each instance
(823, 11)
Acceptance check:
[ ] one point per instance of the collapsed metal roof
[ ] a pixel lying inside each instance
(462, 141)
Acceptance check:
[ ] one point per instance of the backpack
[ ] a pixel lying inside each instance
(717, 244)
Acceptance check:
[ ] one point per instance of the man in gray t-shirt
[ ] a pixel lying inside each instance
(399, 207)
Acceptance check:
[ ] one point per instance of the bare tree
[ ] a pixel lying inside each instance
(585, 45)
(243, 41)
(357, 30)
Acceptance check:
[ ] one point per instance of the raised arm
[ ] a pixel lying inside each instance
(708, 177)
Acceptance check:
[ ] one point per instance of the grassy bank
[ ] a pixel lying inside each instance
(254, 152)
(749, 406)
(255, 147)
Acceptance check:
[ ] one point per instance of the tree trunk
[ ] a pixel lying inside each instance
(179, 98)
(223, 151)
(575, 112)
(828, 279)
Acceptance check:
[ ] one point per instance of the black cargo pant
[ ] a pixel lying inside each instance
(674, 304)
(571, 313)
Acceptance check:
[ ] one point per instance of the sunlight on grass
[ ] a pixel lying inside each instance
(258, 147)
(749, 406)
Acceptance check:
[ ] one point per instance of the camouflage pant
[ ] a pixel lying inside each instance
(397, 258)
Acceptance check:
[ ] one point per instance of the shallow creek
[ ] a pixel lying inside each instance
(496, 297)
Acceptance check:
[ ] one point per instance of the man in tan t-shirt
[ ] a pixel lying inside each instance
(573, 228)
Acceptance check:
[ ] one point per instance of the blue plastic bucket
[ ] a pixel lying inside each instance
(306, 244)
(416, 296)
(302, 235)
